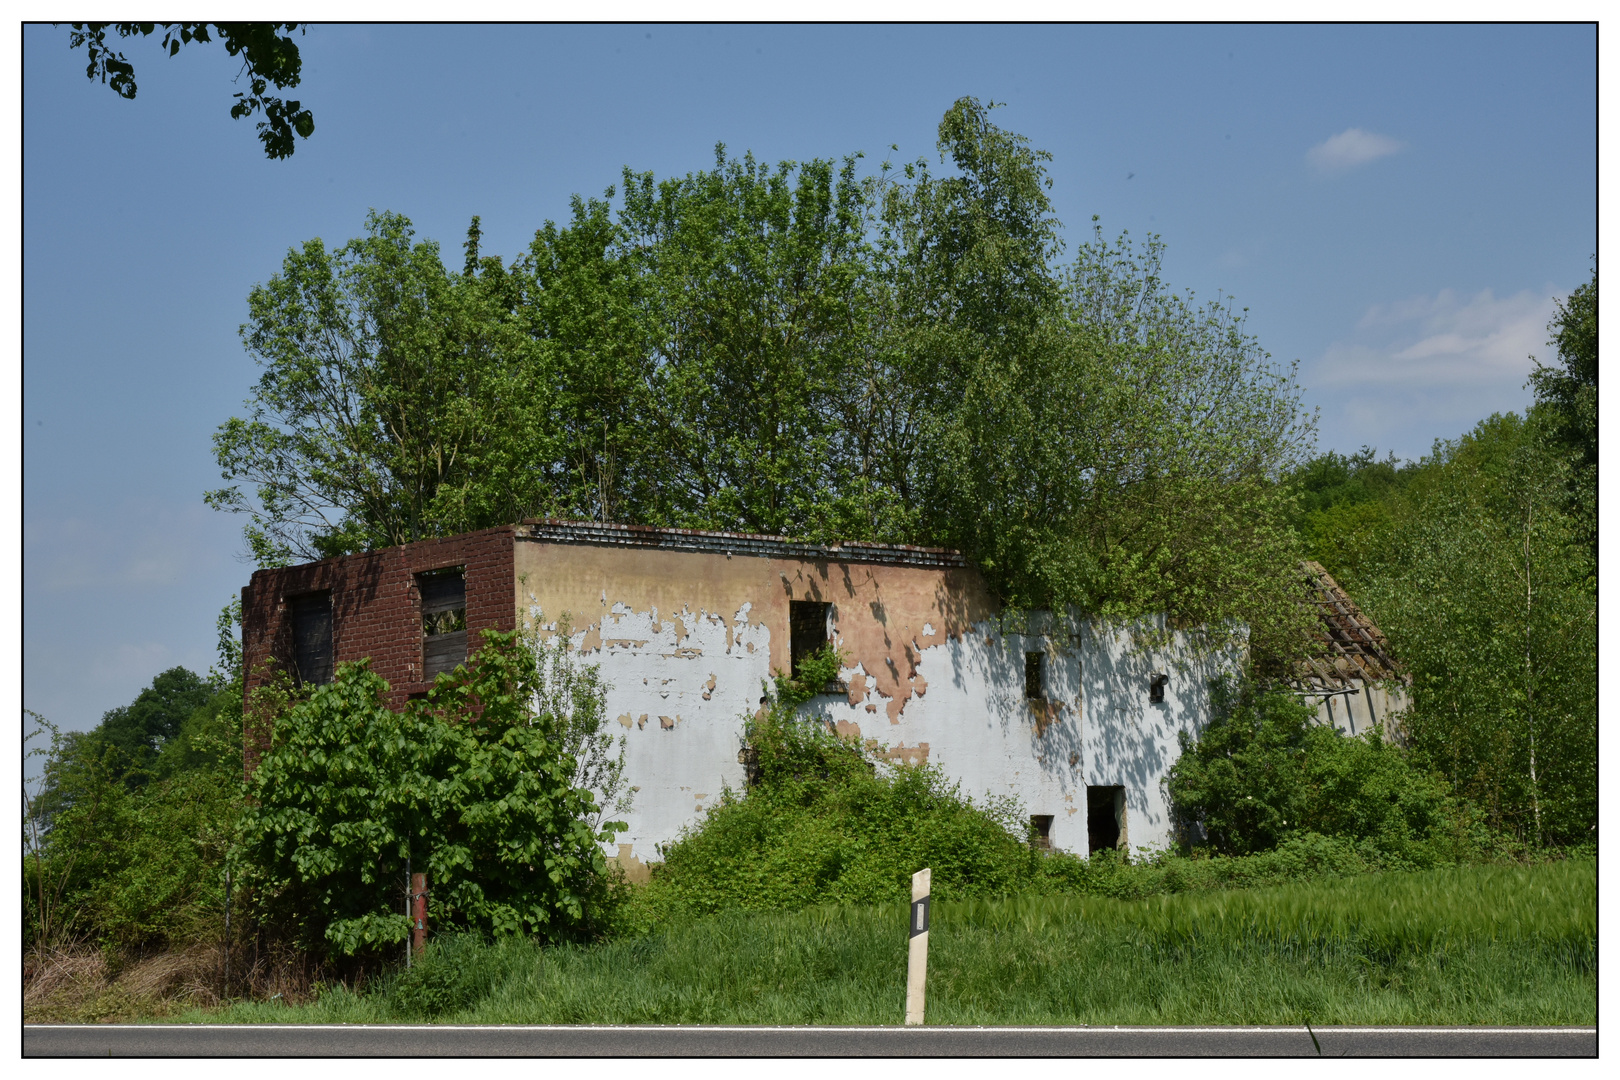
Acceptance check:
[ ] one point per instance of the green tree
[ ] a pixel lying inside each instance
(469, 785)
(1086, 435)
(791, 349)
(1344, 507)
(1567, 395)
(1488, 596)
(269, 56)
(750, 278)
(141, 730)
(397, 401)
(133, 857)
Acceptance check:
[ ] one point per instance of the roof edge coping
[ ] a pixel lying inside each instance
(556, 530)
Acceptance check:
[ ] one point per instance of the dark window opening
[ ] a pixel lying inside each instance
(1156, 683)
(1040, 831)
(1105, 816)
(444, 620)
(311, 616)
(808, 625)
(1035, 676)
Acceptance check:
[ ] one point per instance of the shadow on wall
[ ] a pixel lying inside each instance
(1132, 739)
(360, 592)
(1054, 716)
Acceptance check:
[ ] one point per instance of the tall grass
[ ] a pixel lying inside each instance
(1479, 945)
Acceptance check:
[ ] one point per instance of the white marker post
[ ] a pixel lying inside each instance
(917, 963)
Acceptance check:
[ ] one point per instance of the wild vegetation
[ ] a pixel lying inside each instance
(1483, 945)
(903, 356)
(797, 349)
(1479, 562)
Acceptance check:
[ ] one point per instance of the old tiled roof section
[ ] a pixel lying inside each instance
(1351, 646)
(644, 536)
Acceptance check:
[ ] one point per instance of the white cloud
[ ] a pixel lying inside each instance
(1429, 367)
(1350, 148)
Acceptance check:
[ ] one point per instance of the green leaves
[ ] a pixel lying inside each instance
(269, 56)
(395, 403)
(789, 349)
(1486, 589)
(1264, 771)
(471, 785)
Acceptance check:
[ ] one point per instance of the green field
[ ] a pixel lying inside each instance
(1466, 945)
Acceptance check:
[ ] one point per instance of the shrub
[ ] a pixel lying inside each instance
(471, 785)
(824, 824)
(1264, 771)
(126, 856)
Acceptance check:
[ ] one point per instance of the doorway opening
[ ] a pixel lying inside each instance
(1105, 816)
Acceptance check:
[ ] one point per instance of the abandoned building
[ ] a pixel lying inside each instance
(1071, 716)
(1353, 680)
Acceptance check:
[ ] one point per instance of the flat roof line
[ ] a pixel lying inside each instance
(645, 536)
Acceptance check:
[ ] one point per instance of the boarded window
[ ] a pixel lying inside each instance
(1035, 676)
(1105, 816)
(1156, 683)
(809, 629)
(1040, 831)
(444, 620)
(311, 616)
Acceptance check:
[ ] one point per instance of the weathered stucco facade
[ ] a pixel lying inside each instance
(1064, 713)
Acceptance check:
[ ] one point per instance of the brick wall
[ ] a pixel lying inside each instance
(375, 609)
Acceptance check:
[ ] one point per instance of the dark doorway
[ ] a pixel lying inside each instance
(1040, 831)
(1105, 816)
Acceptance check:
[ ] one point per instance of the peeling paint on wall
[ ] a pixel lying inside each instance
(696, 635)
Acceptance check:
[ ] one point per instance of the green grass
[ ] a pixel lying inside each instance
(1466, 945)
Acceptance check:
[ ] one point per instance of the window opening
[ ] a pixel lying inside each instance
(808, 621)
(1105, 816)
(311, 616)
(1040, 827)
(1156, 683)
(444, 620)
(1035, 676)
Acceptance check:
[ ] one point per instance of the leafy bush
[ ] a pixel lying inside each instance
(454, 972)
(130, 822)
(470, 784)
(1264, 771)
(823, 824)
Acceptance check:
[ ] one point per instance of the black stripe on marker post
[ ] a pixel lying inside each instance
(919, 915)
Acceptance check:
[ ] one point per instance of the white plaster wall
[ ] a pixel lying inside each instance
(678, 689)
(1131, 742)
(975, 724)
(680, 696)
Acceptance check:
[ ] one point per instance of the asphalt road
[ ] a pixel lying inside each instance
(431, 1040)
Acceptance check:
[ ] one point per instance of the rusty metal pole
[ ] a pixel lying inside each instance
(418, 913)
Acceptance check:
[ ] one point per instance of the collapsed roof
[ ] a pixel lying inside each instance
(1351, 649)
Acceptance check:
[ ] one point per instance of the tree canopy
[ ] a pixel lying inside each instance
(1567, 395)
(903, 355)
(269, 55)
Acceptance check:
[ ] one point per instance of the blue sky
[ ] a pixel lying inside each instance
(1397, 208)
